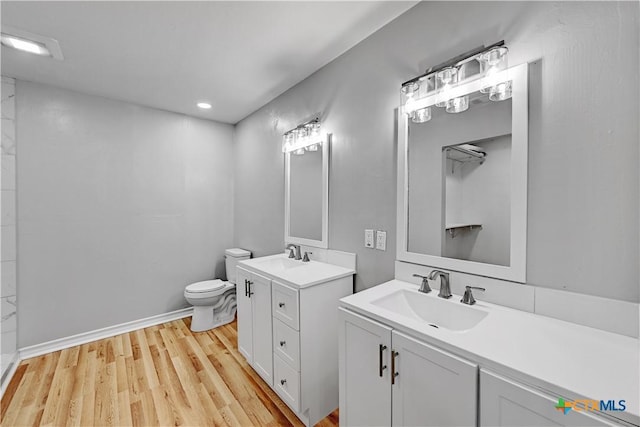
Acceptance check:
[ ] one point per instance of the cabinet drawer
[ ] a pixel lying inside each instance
(287, 383)
(285, 304)
(286, 343)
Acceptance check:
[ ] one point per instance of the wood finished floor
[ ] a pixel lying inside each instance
(163, 375)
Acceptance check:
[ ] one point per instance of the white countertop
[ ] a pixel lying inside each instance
(554, 355)
(304, 275)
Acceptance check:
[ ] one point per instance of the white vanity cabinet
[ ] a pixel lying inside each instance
(305, 346)
(389, 378)
(287, 323)
(504, 402)
(253, 295)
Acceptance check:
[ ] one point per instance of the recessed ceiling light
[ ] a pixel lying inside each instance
(25, 45)
(204, 105)
(29, 42)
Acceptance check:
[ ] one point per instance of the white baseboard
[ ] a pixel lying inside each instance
(98, 334)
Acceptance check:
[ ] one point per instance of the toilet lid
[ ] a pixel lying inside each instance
(206, 286)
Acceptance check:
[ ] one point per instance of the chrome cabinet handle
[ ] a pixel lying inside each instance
(246, 289)
(282, 343)
(381, 367)
(280, 304)
(283, 382)
(394, 374)
(249, 282)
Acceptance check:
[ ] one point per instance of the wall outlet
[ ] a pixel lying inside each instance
(368, 239)
(381, 240)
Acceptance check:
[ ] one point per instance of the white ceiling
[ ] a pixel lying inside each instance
(169, 55)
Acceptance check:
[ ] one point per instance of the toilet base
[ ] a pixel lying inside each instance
(207, 317)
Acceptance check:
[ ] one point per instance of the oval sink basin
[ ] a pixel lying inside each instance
(437, 312)
(279, 264)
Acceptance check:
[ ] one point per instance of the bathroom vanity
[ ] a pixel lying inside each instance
(410, 358)
(287, 327)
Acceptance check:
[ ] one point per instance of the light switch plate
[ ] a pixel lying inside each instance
(381, 240)
(368, 239)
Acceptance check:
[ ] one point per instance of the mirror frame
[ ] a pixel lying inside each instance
(324, 242)
(516, 271)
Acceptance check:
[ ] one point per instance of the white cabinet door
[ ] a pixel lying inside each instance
(364, 364)
(432, 387)
(260, 295)
(504, 402)
(245, 315)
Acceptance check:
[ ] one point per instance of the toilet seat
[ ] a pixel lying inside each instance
(207, 288)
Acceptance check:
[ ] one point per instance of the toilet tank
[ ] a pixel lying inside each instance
(232, 256)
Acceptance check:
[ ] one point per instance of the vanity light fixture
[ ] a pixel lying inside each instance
(31, 43)
(440, 81)
(304, 137)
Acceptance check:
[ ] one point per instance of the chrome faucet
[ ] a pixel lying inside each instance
(293, 254)
(445, 289)
(424, 287)
(468, 296)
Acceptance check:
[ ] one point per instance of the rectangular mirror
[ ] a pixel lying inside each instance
(307, 196)
(462, 183)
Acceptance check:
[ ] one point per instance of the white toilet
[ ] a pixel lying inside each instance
(214, 301)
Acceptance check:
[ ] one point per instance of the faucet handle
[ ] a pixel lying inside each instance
(468, 298)
(292, 253)
(424, 287)
(306, 257)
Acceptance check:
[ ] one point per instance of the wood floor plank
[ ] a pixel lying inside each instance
(10, 392)
(14, 410)
(164, 375)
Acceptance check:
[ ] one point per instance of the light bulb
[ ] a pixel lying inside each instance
(445, 78)
(458, 105)
(410, 106)
(408, 93)
(422, 115)
(287, 141)
(501, 91)
(491, 63)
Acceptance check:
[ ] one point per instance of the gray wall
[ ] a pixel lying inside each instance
(119, 207)
(583, 227)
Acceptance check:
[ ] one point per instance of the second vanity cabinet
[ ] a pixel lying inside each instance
(389, 378)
